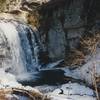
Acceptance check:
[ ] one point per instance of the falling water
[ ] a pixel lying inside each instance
(18, 48)
(20, 54)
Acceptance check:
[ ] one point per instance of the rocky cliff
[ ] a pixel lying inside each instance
(61, 23)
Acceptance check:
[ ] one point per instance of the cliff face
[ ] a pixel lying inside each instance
(8, 5)
(65, 22)
(61, 23)
(66, 29)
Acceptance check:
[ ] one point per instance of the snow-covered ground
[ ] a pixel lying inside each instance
(75, 91)
(86, 71)
(68, 91)
(8, 82)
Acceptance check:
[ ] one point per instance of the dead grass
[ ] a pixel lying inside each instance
(89, 43)
(75, 57)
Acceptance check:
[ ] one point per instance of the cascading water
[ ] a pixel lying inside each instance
(18, 48)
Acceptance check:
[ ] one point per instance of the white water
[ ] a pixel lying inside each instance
(18, 55)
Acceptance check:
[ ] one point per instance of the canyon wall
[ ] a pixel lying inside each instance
(65, 22)
(61, 23)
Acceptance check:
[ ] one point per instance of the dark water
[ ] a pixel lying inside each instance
(50, 77)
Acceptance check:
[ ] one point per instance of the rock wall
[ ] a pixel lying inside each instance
(9, 5)
(63, 28)
(61, 23)
(65, 23)
(68, 31)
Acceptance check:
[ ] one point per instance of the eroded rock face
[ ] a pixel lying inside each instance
(56, 42)
(66, 29)
(69, 22)
(60, 29)
(61, 23)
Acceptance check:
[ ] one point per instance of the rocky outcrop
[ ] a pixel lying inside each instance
(8, 5)
(58, 26)
(61, 23)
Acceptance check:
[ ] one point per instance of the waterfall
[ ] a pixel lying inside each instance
(18, 48)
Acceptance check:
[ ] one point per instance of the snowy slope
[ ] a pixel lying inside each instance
(73, 91)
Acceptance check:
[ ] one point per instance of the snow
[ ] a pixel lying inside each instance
(8, 80)
(72, 91)
(46, 88)
(75, 97)
(75, 91)
(68, 91)
(75, 88)
(85, 72)
(51, 66)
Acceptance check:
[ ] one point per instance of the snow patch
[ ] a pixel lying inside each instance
(72, 91)
(85, 72)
